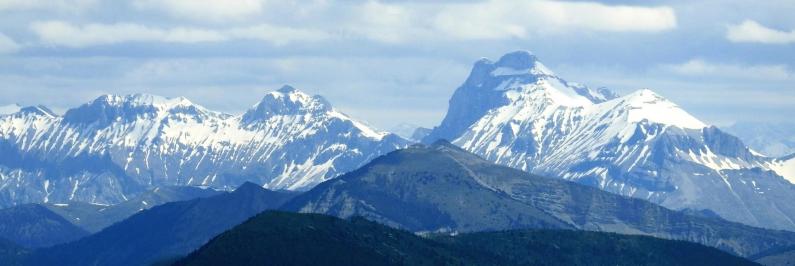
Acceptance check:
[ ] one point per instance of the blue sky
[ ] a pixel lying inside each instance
(390, 62)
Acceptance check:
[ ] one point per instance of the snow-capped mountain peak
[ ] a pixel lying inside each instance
(141, 100)
(286, 101)
(647, 105)
(108, 109)
(522, 67)
(520, 59)
(517, 113)
(286, 89)
(519, 63)
(516, 78)
(289, 102)
(38, 110)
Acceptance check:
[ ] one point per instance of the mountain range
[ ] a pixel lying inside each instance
(515, 112)
(434, 191)
(116, 147)
(444, 189)
(518, 113)
(567, 157)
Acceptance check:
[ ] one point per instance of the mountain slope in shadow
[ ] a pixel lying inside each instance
(34, 226)
(169, 230)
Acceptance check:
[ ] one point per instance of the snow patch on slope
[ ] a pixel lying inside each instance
(562, 94)
(785, 168)
(365, 129)
(645, 104)
(537, 69)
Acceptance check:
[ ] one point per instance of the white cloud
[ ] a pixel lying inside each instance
(752, 31)
(391, 23)
(387, 23)
(701, 68)
(216, 10)
(7, 45)
(59, 5)
(497, 19)
(488, 20)
(276, 35)
(65, 34)
(600, 17)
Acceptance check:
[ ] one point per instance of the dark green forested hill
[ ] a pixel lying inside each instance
(11, 254)
(281, 238)
(569, 247)
(784, 256)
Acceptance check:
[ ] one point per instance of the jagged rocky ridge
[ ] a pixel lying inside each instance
(116, 147)
(516, 112)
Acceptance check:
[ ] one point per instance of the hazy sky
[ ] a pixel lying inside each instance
(390, 62)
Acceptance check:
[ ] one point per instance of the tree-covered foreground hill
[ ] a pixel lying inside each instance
(281, 238)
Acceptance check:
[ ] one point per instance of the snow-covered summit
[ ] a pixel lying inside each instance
(518, 113)
(516, 76)
(518, 63)
(143, 99)
(109, 108)
(646, 105)
(286, 101)
(289, 103)
(37, 110)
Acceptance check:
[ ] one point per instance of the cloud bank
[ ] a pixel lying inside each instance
(66, 34)
(215, 10)
(390, 23)
(752, 31)
(702, 68)
(7, 45)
